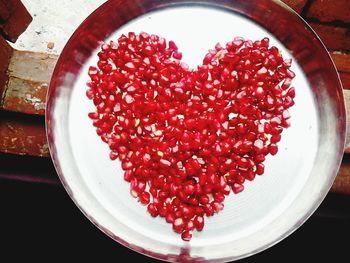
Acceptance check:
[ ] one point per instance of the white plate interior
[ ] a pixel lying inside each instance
(194, 30)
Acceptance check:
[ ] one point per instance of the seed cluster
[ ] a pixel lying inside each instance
(187, 138)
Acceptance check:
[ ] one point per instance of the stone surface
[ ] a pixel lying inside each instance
(53, 21)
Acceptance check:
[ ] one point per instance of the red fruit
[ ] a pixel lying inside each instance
(186, 235)
(237, 188)
(144, 198)
(186, 137)
(152, 210)
(199, 223)
(113, 155)
(178, 225)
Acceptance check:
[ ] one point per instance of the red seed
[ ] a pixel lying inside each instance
(152, 210)
(219, 197)
(113, 155)
(186, 137)
(178, 225)
(189, 225)
(237, 188)
(204, 199)
(126, 165)
(163, 211)
(187, 212)
(273, 149)
(199, 223)
(260, 168)
(128, 175)
(93, 115)
(144, 198)
(208, 209)
(275, 138)
(217, 206)
(199, 211)
(186, 235)
(170, 218)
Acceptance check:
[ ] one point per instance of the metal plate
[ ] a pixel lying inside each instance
(272, 206)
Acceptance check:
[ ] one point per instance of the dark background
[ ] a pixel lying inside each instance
(39, 222)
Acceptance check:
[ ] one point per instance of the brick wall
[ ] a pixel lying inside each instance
(331, 21)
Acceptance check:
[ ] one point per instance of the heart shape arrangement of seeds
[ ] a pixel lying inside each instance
(185, 137)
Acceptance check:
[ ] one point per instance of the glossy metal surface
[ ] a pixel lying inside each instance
(222, 240)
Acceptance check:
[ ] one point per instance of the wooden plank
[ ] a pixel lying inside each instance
(29, 75)
(330, 10)
(341, 60)
(333, 37)
(17, 21)
(296, 5)
(23, 135)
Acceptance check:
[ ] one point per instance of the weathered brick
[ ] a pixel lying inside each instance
(333, 37)
(28, 79)
(342, 181)
(341, 60)
(297, 5)
(345, 79)
(330, 10)
(17, 22)
(4, 12)
(5, 57)
(22, 135)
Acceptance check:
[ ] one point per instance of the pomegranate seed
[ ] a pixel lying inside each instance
(178, 225)
(163, 211)
(273, 149)
(204, 199)
(186, 137)
(260, 168)
(199, 211)
(113, 155)
(126, 165)
(152, 210)
(128, 175)
(208, 209)
(237, 188)
(219, 197)
(177, 55)
(187, 212)
(189, 225)
(291, 92)
(217, 207)
(275, 138)
(186, 235)
(144, 198)
(170, 218)
(199, 223)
